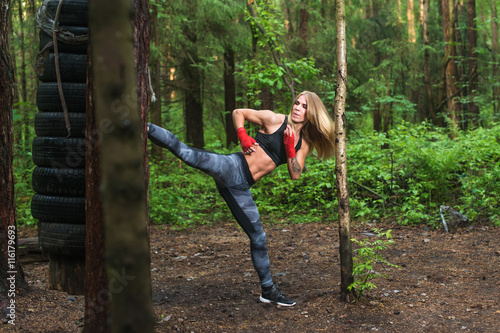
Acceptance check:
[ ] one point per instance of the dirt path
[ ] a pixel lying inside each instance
(203, 281)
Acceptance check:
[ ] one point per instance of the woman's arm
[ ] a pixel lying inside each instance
(263, 118)
(295, 160)
(296, 164)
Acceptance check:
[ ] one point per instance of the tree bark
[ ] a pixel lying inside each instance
(473, 77)
(22, 85)
(155, 117)
(431, 114)
(229, 96)
(345, 248)
(267, 98)
(11, 274)
(97, 299)
(303, 49)
(494, 53)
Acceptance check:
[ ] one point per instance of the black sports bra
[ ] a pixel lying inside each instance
(273, 144)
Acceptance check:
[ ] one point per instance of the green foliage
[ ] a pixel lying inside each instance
(23, 168)
(368, 255)
(416, 168)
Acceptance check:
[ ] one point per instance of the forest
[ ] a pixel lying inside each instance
(422, 102)
(422, 108)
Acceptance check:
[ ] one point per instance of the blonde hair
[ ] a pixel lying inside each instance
(319, 131)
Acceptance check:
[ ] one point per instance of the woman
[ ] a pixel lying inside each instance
(280, 140)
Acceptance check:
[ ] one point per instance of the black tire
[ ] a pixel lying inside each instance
(64, 182)
(78, 48)
(48, 100)
(48, 208)
(61, 238)
(73, 12)
(53, 124)
(59, 152)
(72, 67)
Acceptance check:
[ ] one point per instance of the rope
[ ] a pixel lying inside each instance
(46, 23)
(58, 71)
(153, 96)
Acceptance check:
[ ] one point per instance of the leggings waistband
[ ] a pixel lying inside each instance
(246, 169)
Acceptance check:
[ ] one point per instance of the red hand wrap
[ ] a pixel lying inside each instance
(289, 140)
(246, 140)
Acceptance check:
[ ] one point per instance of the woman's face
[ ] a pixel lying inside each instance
(299, 110)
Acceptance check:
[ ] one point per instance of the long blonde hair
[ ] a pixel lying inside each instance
(319, 131)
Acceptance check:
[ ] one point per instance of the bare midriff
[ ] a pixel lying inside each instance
(259, 163)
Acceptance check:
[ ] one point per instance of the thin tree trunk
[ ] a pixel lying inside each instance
(377, 118)
(427, 63)
(122, 154)
(11, 274)
(494, 53)
(157, 151)
(345, 248)
(324, 5)
(387, 113)
(229, 96)
(451, 65)
(22, 85)
(472, 75)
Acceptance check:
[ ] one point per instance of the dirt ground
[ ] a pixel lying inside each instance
(203, 281)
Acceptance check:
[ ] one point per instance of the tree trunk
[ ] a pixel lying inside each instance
(451, 65)
(303, 49)
(267, 98)
(377, 118)
(412, 36)
(324, 9)
(345, 248)
(11, 274)
(427, 64)
(119, 300)
(122, 164)
(155, 116)
(229, 96)
(193, 105)
(473, 77)
(494, 53)
(192, 81)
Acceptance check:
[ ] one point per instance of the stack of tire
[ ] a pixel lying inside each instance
(59, 155)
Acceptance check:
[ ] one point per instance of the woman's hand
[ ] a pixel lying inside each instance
(289, 141)
(251, 149)
(248, 143)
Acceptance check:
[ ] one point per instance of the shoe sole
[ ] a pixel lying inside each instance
(265, 300)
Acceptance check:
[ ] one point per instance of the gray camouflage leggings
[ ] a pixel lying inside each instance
(233, 180)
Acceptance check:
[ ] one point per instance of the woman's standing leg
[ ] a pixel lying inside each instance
(240, 202)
